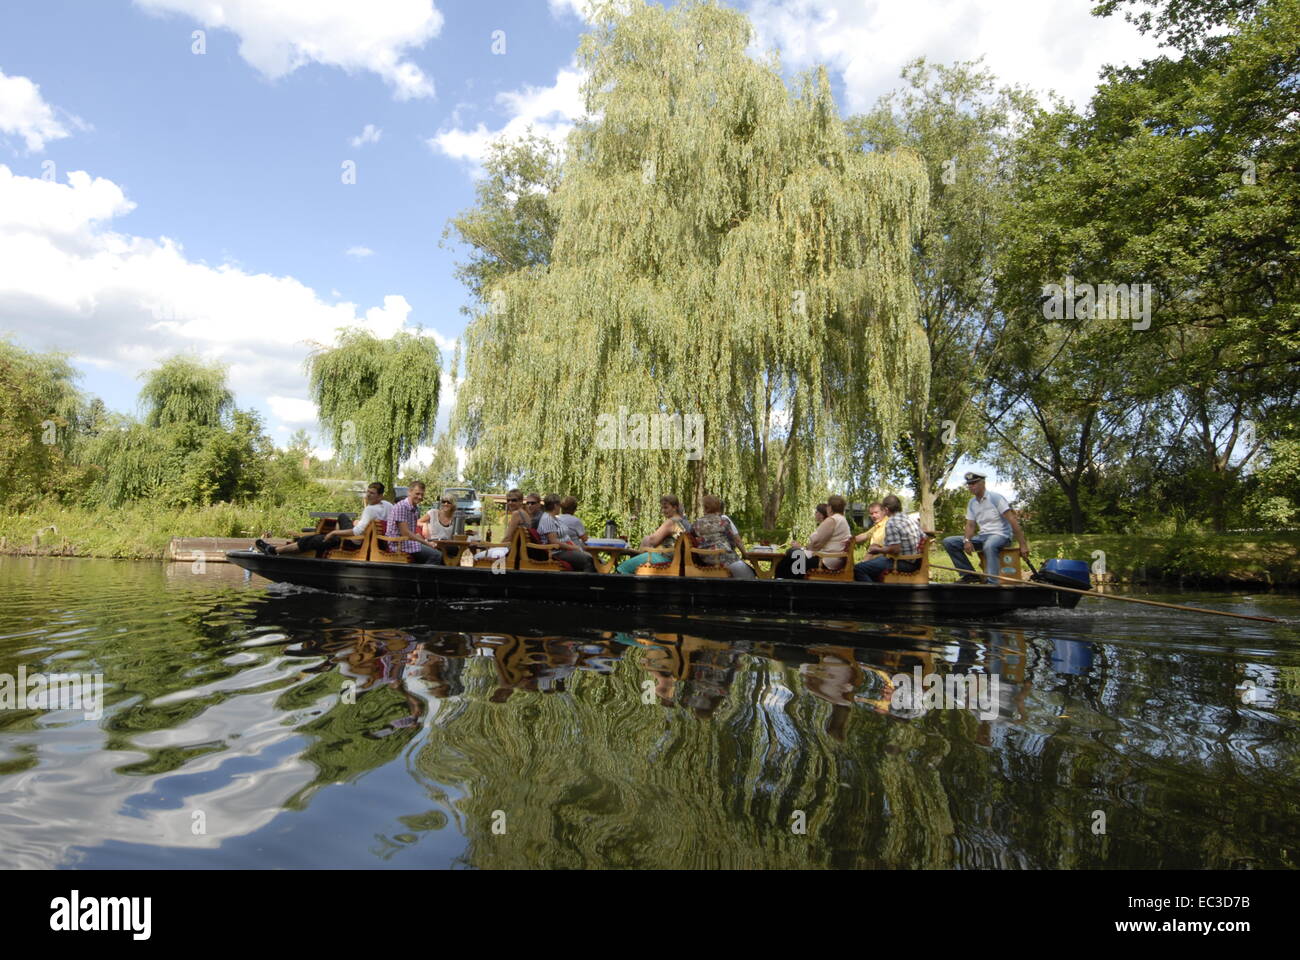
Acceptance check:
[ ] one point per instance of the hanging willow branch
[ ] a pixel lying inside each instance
(184, 390)
(378, 398)
(721, 249)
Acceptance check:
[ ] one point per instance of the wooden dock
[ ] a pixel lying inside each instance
(212, 549)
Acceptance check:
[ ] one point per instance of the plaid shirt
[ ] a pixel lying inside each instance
(904, 531)
(403, 510)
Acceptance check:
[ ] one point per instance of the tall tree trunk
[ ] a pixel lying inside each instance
(1219, 503)
(924, 486)
(698, 487)
(1076, 509)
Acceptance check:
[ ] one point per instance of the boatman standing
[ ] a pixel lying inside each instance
(997, 523)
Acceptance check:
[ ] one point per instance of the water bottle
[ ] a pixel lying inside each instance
(611, 530)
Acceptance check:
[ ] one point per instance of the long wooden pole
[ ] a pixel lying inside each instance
(1108, 596)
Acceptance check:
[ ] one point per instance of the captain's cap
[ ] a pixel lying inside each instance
(974, 477)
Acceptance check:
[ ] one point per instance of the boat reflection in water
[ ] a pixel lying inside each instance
(734, 746)
(316, 730)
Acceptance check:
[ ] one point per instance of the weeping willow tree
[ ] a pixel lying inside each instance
(184, 390)
(39, 416)
(721, 250)
(192, 447)
(377, 398)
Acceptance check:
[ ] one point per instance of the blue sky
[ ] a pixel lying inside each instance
(195, 202)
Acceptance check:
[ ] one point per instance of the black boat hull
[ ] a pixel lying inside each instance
(803, 598)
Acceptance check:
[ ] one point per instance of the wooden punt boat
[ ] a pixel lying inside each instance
(683, 585)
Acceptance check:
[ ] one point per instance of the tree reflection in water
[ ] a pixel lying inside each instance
(650, 748)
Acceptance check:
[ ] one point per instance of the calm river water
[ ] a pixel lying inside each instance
(246, 725)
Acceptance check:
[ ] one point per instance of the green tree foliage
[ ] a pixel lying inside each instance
(186, 391)
(444, 470)
(721, 249)
(1183, 174)
(512, 223)
(40, 413)
(957, 119)
(193, 448)
(1185, 24)
(378, 398)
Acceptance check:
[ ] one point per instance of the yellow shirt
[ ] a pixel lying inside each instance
(877, 532)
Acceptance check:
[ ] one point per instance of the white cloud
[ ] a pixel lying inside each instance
(1046, 46)
(369, 134)
(549, 111)
(124, 302)
(359, 252)
(293, 409)
(24, 112)
(391, 317)
(579, 8)
(279, 36)
(582, 9)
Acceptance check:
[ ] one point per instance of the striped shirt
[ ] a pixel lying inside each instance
(403, 510)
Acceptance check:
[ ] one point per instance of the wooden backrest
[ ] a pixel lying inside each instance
(844, 573)
(367, 539)
(528, 551)
(380, 551)
(693, 558)
(921, 574)
(673, 568)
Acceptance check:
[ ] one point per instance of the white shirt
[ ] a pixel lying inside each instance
(988, 514)
(439, 530)
(375, 511)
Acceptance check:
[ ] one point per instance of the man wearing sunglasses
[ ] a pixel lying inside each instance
(996, 521)
(533, 504)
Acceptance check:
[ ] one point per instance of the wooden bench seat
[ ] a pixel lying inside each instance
(342, 551)
(920, 575)
(844, 574)
(671, 568)
(693, 567)
(526, 551)
(379, 553)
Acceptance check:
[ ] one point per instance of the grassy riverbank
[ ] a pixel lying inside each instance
(143, 533)
(1193, 559)
(137, 533)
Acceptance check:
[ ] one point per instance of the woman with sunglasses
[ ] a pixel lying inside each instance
(518, 518)
(440, 524)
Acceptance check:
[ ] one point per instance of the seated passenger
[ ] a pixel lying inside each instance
(831, 536)
(533, 507)
(376, 508)
(662, 540)
(903, 537)
(997, 523)
(440, 524)
(401, 523)
(516, 519)
(713, 531)
(575, 531)
(553, 531)
(874, 534)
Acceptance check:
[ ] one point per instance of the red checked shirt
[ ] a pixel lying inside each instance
(403, 510)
